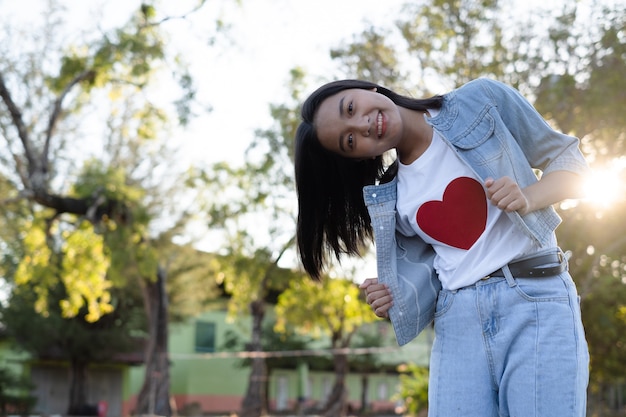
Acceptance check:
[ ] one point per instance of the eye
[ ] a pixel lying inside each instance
(350, 108)
(350, 141)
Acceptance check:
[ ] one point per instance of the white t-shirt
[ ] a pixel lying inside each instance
(441, 200)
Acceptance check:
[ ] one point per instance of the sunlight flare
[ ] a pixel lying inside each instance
(604, 186)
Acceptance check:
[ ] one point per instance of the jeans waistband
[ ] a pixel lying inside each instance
(534, 267)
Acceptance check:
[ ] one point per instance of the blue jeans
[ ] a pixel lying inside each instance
(509, 347)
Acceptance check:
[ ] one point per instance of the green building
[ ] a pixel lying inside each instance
(206, 379)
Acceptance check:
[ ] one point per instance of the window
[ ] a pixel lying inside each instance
(282, 393)
(205, 336)
(383, 391)
(327, 386)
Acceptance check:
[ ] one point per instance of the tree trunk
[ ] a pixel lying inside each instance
(365, 383)
(154, 397)
(253, 404)
(78, 388)
(336, 405)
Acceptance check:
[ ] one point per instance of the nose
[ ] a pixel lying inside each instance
(362, 125)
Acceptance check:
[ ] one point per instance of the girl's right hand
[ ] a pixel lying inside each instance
(378, 297)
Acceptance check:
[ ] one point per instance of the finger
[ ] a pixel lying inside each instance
(383, 310)
(493, 191)
(382, 315)
(507, 204)
(374, 293)
(376, 290)
(506, 195)
(380, 301)
(372, 297)
(510, 199)
(367, 282)
(519, 204)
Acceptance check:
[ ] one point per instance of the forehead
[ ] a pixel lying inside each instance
(327, 120)
(329, 116)
(330, 106)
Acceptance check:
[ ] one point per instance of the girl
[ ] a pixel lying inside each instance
(464, 234)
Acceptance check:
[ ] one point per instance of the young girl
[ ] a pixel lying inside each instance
(464, 234)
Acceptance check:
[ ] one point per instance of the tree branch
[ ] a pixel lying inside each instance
(183, 16)
(19, 166)
(93, 210)
(18, 122)
(56, 113)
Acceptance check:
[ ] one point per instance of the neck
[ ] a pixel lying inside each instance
(416, 138)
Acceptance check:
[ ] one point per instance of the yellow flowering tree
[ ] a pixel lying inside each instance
(331, 308)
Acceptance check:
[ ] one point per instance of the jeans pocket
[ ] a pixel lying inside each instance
(552, 288)
(444, 302)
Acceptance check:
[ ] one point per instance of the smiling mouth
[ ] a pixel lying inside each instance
(379, 124)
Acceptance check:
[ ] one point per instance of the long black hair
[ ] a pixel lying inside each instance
(332, 216)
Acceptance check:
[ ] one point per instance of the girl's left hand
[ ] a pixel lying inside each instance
(506, 194)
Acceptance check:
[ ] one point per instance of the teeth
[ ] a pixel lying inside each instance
(379, 124)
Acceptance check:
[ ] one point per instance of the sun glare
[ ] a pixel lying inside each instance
(604, 186)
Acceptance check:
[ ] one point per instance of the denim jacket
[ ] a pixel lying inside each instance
(497, 133)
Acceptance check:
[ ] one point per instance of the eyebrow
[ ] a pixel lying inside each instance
(341, 116)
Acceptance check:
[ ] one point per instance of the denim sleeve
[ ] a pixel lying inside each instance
(545, 148)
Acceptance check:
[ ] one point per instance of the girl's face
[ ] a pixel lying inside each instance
(358, 123)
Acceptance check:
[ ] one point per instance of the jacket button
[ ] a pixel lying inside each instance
(374, 195)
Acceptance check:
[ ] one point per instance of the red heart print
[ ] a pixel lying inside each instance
(460, 218)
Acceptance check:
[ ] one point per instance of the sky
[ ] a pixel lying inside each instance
(249, 65)
(269, 38)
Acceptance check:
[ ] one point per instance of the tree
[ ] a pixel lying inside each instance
(371, 56)
(595, 236)
(278, 343)
(252, 280)
(455, 41)
(583, 94)
(367, 363)
(47, 94)
(331, 307)
(413, 388)
(15, 393)
(55, 337)
(256, 220)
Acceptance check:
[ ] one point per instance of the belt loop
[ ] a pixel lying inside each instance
(509, 277)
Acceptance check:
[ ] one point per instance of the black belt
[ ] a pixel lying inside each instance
(531, 267)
